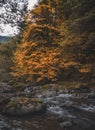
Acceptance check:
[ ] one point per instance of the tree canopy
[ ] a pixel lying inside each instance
(39, 54)
(57, 41)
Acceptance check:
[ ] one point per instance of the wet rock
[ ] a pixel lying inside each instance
(63, 91)
(60, 91)
(5, 88)
(67, 104)
(3, 124)
(62, 118)
(66, 124)
(28, 90)
(66, 116)
(65, 95)
(55, 110)
(48, 93)
(32, 90)
(91, 95)
(23, 106)
(16, 123)
(89, 108)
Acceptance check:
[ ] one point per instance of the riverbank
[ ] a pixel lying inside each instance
(67, 109)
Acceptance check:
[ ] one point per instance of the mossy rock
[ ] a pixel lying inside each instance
(22, 101)
(18, 87)
(24, 106)
(51, 86)
(3, 103)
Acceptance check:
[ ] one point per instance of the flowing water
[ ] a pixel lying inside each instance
(65, 111)
(82, 118)
(84, 121)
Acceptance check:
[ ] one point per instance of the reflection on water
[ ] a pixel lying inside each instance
(84, 121)
(39, 122)
(50, 122)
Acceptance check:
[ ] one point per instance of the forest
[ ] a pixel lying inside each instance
(56, 44)
(53, 49)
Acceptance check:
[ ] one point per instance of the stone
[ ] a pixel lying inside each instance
(3, 123)
(23, 106)
(66, 124)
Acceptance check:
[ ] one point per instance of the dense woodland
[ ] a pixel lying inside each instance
(56, 44)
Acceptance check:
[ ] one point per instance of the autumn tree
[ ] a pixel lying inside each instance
(39, 57)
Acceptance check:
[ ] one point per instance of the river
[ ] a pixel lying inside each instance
(65, 111)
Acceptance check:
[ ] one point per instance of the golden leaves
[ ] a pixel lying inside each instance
(39, 57)
(44, 62)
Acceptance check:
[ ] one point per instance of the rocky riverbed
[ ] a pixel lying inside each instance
(67, 109)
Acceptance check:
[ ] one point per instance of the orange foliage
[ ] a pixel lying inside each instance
(39, 56)
(45, 63)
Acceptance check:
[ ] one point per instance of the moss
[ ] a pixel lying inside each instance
(11, 82)
(18, 87)
(36, 100)
(22, 101)
(65, 85)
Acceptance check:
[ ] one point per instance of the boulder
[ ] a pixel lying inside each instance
(24, 106)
